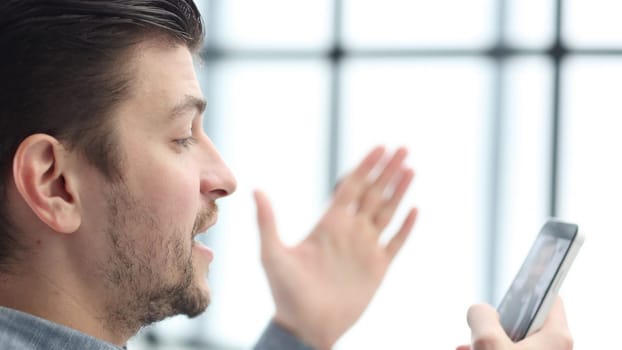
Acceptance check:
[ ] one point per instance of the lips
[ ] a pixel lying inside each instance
(210, 220)
(204, 250)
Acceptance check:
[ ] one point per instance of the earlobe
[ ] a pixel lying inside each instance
(44, 180)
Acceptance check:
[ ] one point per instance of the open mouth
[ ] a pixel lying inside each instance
(198, 244)
(200, 237)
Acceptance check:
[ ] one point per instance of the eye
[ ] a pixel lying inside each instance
(186, 142)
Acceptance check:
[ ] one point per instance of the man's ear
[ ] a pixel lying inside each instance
(44, 179)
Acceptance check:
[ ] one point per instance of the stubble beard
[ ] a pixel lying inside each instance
(140, 292)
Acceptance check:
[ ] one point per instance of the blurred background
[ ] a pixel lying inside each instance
(512, 114)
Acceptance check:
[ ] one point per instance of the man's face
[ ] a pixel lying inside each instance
(171, 177)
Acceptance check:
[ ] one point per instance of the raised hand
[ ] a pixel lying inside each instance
(487, 333)
(322, 285)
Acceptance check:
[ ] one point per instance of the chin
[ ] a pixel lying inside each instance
(196, 298)
(200, 280)
(203, 287)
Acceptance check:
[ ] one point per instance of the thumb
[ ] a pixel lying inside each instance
(486, 330)
(268, 233)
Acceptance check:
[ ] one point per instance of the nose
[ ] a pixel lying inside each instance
(217, 180)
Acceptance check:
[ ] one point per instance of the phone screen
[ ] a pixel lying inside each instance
(531, 285)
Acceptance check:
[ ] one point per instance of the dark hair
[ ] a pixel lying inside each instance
(64, 69)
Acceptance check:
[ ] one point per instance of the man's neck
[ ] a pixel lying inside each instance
(59, 301)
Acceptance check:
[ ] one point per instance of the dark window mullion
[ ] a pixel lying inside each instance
(499, 54)
(557, 55)
(335, 56)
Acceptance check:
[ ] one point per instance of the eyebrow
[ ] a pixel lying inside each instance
(188, 103)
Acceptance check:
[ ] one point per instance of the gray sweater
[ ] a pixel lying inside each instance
(21, 331)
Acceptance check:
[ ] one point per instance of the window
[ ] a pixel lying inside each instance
(510, 109)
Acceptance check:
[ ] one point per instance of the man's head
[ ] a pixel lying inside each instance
(105, 166)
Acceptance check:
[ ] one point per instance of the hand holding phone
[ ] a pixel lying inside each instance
(487, 333)
(527, 302)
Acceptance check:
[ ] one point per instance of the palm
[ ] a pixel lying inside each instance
(322, 285)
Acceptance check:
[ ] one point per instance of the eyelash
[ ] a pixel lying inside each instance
(187, 142)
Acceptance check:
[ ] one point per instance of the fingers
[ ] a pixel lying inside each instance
(486, 330)
(464, 347)
(374, 195)
(385, 211)
(351, 188)
(267, 224)
(557, 316)
(397, 242)
(376, 198)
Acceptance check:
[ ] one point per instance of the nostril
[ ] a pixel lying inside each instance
(220, 193)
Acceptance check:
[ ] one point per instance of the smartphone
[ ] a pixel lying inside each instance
(528, 301)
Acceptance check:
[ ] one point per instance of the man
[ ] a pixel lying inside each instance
(108, 176)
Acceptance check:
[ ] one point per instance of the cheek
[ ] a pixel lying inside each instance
(165, 181)
(173, 205)
(173, 194)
